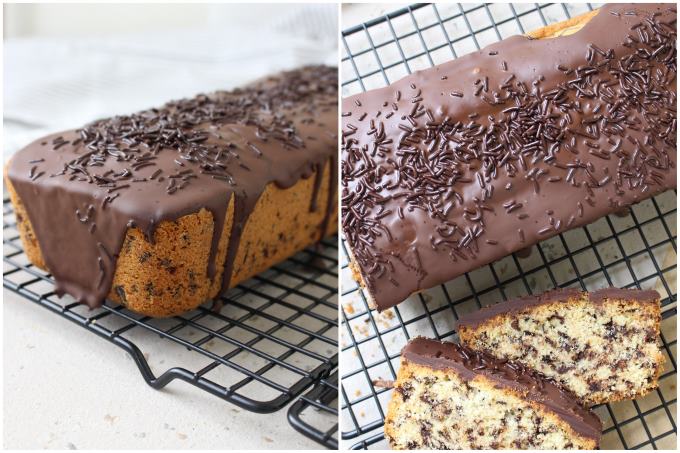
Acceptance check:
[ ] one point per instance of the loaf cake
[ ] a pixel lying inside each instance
(166, 208)
(458, 165)
(448, 397)
(603, 346)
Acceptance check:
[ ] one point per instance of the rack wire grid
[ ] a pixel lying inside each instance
(316, 413)
(635, 250)
(274, 338)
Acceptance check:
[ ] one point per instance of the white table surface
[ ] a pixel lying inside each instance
(66, 388)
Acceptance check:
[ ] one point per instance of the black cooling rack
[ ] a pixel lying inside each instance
(275, 337)
(633, 250)
(316, 413)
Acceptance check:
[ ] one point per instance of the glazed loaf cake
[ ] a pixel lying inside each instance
(459, 165)
(603, 346)
(448, 397)
(166, 208)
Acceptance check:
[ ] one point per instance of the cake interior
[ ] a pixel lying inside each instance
(439, 409)
(605, 351)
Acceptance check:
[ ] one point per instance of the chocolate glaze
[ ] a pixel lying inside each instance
(476, 318)
(83, 189)
(469, 364)
(637, 295)
(459, 165)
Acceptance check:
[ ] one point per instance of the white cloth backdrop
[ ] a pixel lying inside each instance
(56, 83)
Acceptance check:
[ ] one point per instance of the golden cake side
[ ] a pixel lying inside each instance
(170, 277)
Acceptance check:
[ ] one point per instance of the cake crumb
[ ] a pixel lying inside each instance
(383, 383)
(361, 329)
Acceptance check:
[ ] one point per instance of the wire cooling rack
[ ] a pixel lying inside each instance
(634, 250)
(316, 413)
(275, 337)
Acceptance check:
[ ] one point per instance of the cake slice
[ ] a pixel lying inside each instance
(449, 397)
(603, 346)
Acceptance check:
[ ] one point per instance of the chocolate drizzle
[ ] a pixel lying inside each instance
(161, 164)
(479, 317)
(469, 364)
(570, 129)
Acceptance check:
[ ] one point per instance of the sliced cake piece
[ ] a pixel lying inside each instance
(449, 397)
(603, 346)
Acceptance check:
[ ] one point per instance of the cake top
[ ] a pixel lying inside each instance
(469, 364)
(456, 166)
(160, 164)
(478, 317)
